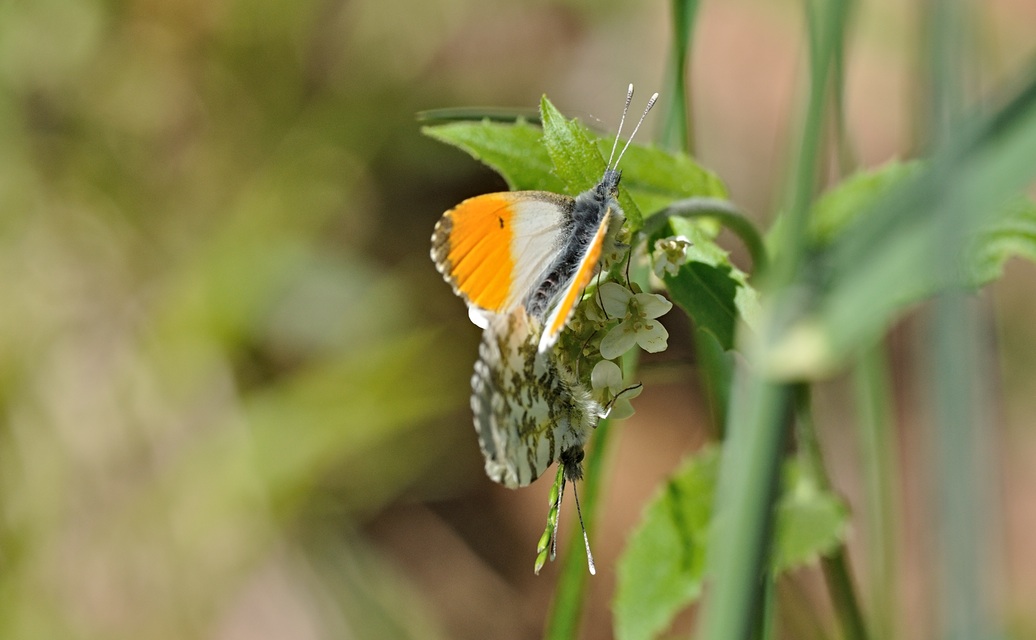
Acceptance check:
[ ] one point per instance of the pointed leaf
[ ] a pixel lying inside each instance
(515, 151)
(662, 568)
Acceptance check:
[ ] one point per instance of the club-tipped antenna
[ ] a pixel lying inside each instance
(586, 538)
(557, 525)
(650, 104)
(629, 98)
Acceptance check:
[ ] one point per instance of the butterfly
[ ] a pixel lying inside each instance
(521, 261)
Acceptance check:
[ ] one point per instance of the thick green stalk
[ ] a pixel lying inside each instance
(739, 548)
(961, 497)
(742, 533)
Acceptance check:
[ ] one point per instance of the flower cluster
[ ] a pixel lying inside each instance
(669, 255)
(613, 319)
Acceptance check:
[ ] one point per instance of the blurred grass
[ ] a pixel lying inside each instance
(197, 345)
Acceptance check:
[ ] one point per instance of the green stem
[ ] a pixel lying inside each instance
(838, 578)
(725, 211)
(837, 573)
(879, 470)
(739, 547)
(961, 499)
(676, 131)
(769, 609)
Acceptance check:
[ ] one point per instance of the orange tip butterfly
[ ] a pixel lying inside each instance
(531, 249)
(521, 260)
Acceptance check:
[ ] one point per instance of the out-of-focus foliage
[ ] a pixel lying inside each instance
(196, 341)
(663, 568)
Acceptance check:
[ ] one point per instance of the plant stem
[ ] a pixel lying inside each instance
(837, 573)
(676, 129)
(838, 578)
(879, 470)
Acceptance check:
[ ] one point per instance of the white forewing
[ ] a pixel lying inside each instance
(540, 221)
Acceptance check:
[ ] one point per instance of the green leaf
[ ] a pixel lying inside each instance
(655, 177)
(811, 522)
(577, 160)
(566, 157)
(1013, 234)
(717, 366)
(858, 301)
(913, 241)
(515, 151)
(840, 206)
(663, 567)
(713, 292)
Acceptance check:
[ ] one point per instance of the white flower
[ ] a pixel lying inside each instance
(638, 326)
(669, 254)
(607, 376)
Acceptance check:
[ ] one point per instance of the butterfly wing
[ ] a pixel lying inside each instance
(494, 249)
(528, 407)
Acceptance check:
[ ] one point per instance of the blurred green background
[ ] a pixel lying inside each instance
(233, 389)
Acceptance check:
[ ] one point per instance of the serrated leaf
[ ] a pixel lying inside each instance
(900, 270)
(1012, 235)
(662, 569)
(573, 150)
(811, 522)
(515, 151)
(840, 206)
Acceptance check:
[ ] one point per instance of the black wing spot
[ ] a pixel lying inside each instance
(501, 222)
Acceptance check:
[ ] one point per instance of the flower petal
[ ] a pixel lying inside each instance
(661, 266)
(616, 299)
(618, 341)
(620, 409)
(653, 338)
(653, 305)
(606, 375)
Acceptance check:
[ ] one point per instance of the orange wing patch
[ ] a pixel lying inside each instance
(471, 246)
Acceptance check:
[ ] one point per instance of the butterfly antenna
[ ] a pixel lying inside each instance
(586, 538)
(633, 387)
(629, 98)
(650, 104)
